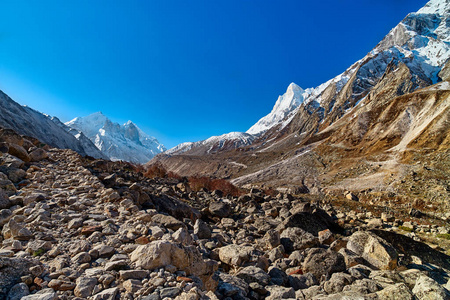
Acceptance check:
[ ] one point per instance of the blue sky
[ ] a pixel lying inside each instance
(181, 70)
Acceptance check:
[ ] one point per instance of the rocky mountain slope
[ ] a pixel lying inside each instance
(373, 124)
(119, 142)
(74, 227)
(50, 130)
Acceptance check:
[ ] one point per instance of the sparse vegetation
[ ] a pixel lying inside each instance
(444, 236)
(404, 228)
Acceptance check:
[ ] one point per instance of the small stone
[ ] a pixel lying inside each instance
(132, 285)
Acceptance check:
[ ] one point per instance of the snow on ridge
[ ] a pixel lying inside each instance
(435, 7)
(119, 142)
(285, 104)
(238, 139)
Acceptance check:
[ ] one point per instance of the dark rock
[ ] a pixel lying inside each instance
(220, 209)
(278, 276)
(202, 230)
(321, 262)
(4, 200)
(416, 213)
(295, 238)
(174, 207)
(312, 223)
(11, 270)
(254, 274)
(170, 292)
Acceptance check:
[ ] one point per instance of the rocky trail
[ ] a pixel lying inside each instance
(79, 228)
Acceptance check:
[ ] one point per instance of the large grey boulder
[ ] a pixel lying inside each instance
(337, 282)
(45, 294)
(85, 286)
(374, 249)
(18, 291)
(428, 289)
(235, 255)
(399, 291)
(162, 253)
(280, 292)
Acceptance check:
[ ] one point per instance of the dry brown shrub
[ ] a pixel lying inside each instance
(155, 170)
(197, 183)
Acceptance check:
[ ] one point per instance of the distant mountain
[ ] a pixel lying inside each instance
(214, 144)
(27, 121)
(119, 142)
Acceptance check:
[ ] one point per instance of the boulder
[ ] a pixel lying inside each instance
(235, 255)
(321, 262)
(279, 292)
(108, 294)
(44, 294)
(18, 291)
(232, 286)
(85, 286)
(311, 222)
(254, 274)
(295, 238)
(11, 270)
(168, 221)
(19, 152)
(397, 291)
(428, 289)
(272, 239)
(220, 209)
(302, 281)
(201, 229)
(182, 236)
(161, 253)
(374, 249)
(38, 154)
(337, 282)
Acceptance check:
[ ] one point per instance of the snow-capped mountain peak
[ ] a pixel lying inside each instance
(119, 142)
(285, 105)
(435, 7)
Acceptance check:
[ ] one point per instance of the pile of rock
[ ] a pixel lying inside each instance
(77, 228)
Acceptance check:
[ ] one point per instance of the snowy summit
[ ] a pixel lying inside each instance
(119, 142)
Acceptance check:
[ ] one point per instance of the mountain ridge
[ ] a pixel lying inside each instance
(119, 142)
(305, 148)
(50, 130)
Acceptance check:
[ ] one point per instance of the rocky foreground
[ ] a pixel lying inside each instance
(78, 228)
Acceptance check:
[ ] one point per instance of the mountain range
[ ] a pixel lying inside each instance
(369, 124)
(94, 135)
(363, 130)
(119, 142)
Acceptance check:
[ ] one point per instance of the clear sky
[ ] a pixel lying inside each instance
(181, 70)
